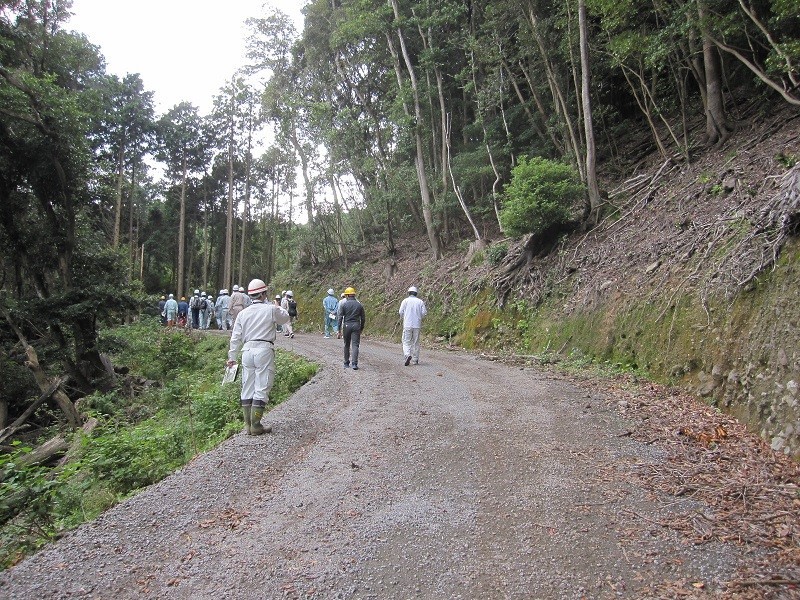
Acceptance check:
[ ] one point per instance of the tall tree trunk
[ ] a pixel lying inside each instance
(118, 196)
(428, 44)
(443, 150)
(207, 255)
(559, 101)
(341, 251)
(246, 212)
(419, 160)
(479, 115)
(543, 112)
(591, 164)
(132, 241)
(227, 269)
(717, 128)
(457, 190)
(182, 229)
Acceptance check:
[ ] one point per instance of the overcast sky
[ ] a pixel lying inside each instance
(183, 49)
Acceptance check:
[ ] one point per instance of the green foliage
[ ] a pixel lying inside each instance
(139, 440)
(175, 352)
(132, 458)
(496, 253)
(542, 194)
(705, 178)
(788, 160)
(293, 372)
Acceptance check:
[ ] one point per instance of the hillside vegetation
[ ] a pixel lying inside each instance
(692, 279)
(168, 409)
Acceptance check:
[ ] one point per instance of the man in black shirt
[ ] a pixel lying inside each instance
(352, 319)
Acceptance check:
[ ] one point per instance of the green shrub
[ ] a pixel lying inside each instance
(496, 253)
(132, 458)
(542, 193)
(175, 352)
(291, 372)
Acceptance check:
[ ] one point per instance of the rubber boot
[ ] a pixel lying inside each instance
(256, 428)
(246, 411)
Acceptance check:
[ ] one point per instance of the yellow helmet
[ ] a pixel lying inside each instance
(350, 292)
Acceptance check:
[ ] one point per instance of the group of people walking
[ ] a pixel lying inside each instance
(202, 311)
(255, 330)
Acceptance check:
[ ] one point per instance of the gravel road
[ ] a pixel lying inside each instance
(455, 478)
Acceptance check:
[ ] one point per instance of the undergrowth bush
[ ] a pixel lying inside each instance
(541, 194)
(140, 439)
(496, 253)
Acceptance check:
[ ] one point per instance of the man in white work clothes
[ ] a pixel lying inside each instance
(254, 333)
(412, 309)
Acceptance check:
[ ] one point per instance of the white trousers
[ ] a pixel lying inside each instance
(258, 373)
(411, 342)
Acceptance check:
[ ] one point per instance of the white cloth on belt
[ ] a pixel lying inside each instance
(256, 322)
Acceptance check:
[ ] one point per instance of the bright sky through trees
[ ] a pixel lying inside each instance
(183, 49)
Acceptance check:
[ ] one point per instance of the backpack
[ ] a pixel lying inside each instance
(203, 304)
(292, 308)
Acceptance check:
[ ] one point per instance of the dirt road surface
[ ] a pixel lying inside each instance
(454, 478)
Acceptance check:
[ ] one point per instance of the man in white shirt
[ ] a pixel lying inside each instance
(254, 332)
(412, 309)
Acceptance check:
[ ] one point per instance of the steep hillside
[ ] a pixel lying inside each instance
(691, 277)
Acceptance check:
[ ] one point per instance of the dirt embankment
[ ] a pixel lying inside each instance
(456, 478)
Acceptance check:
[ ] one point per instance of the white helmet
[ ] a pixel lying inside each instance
(330, 291)
(196, 292)
(256, 287)
(413, 290)
(202, 294)
(235, 288)
(289, 293)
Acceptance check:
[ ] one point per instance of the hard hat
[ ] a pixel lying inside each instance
(203, 294)
(330, 292)
(172, 295)
(182, 297)
(350, 292)
(235, 288)
(163, 297)
(221, 292)
(289, 293)
(196, 292)
(277, 296)
(256, 287)
(413, 290)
